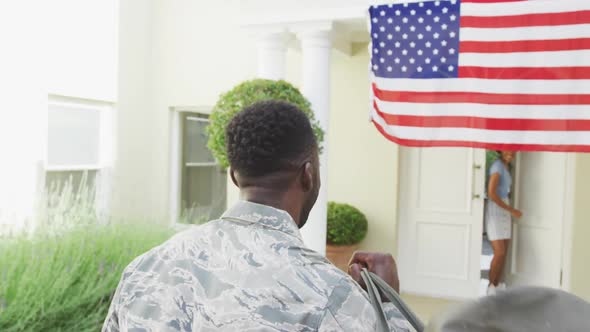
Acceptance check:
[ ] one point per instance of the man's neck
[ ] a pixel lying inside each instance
(270, 198)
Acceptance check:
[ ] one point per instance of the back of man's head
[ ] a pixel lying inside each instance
(268, 137)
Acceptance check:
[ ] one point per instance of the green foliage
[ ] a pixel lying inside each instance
(491, 156)
(346, 224)
(245, 94)
(62, 276)
(65, 282)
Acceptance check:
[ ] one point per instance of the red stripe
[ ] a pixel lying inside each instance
(525, 46)
(490, 146)
(481, 98)
(485, 123)
(527, 20)
(526, 73)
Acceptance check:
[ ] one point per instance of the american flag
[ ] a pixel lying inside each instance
(510, 74)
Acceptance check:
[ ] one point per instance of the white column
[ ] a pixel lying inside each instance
(272, 53)
(272, 56)
(317, 47)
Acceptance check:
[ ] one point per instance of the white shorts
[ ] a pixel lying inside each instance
(498, 222)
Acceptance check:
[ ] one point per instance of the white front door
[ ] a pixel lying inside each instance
(537, 239)
(440, 221)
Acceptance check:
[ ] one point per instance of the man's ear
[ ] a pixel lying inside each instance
(307, 177)
(233, 177)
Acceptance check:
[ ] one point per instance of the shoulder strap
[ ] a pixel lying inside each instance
(377, 286)
(375, 299)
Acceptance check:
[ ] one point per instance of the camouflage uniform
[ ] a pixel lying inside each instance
(248, 271)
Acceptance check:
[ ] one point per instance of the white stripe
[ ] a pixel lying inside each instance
(577, 112)
(526, 59)
(524, 7)
(486, 136)
(525, 33)
(484, 85)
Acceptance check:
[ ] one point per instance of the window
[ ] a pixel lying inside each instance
(78, 151)
(201, 191)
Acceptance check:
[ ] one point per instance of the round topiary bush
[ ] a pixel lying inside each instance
(245, 94)
(346, 224)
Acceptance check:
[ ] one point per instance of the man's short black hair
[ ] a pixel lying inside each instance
(267, 137)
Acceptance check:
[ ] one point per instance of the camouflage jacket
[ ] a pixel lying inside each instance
(248, 271)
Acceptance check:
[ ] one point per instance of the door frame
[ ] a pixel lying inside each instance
(476, 168)
(568, 221)
(567, 217)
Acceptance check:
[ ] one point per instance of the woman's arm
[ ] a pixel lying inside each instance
(493, 195)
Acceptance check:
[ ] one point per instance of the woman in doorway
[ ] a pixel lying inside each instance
(499, 215)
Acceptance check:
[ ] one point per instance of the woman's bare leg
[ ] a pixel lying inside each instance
(497, 265)
(506, 248)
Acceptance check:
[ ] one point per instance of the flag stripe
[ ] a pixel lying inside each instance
(581, 112)
(485, 123)
(525, 46)
(526, 20)
(524, 73)
(486, 136)
(485, 85)
(481, 145)
(523, 33)
(522, 8)
(481, 98)
(528, 59)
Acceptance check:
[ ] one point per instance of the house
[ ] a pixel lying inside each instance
(148, 72)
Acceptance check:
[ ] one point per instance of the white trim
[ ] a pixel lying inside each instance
(197, 119)
(107, 152)
(207, 164)
(267, 12)
(192, 109)
(257, 18)
(568, 221)
(68, 168)
(511, 255)
(107, 136)
(69, 101)
(175, 164)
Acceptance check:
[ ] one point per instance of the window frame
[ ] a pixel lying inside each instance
(177, 115)
(106, 148)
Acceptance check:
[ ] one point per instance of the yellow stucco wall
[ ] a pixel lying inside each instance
(363, 164)
(580, 272)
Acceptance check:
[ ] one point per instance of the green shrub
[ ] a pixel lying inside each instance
(491, 156)
(62, 276)
(346, 224)
(245, 94)
(65, 282)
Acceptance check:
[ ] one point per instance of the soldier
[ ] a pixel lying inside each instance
(250, 270)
